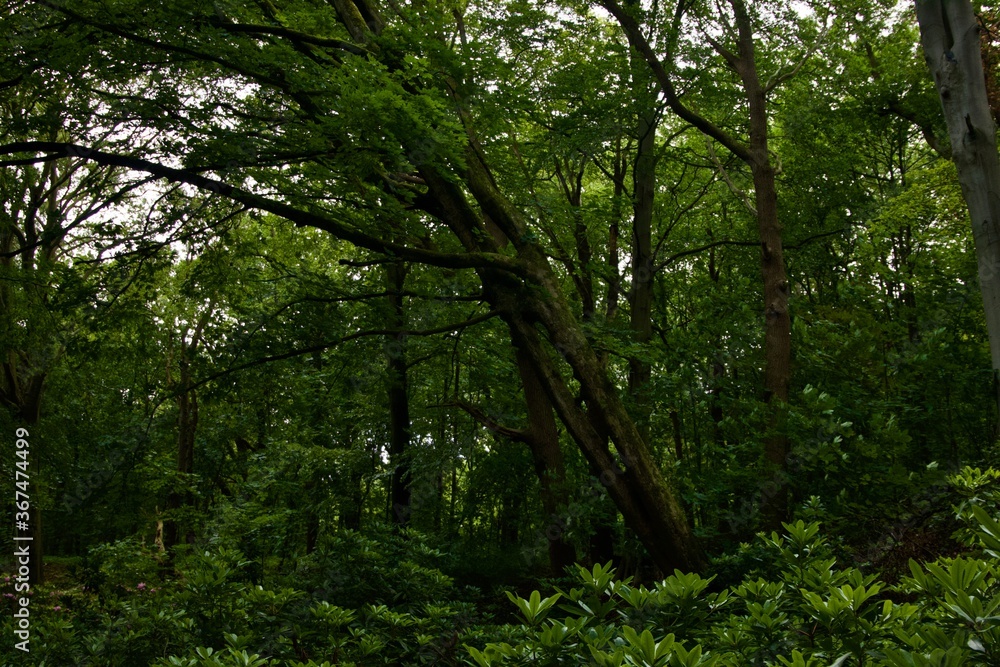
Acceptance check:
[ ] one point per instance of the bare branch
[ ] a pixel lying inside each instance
(293, 35)
(337, 341)
(743, 244)
(783, 74)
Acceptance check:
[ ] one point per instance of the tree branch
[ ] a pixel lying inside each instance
(337, 341)
(293, 35)
(301, 218)
(721, 169)
(745, 244)
(476, 413)
(783, 75)
(638, 41)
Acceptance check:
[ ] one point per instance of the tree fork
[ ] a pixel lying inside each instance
(632, 477)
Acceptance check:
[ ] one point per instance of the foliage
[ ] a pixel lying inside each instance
(813, 612)
(209, 613)
(808, 611)
(276, 277)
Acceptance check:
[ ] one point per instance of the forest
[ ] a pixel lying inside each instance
(500, 332)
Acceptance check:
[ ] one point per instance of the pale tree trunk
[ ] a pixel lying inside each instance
(949, 33)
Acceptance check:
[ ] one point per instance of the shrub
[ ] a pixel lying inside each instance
(810, 612)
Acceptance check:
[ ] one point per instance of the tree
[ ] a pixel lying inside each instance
(738, 49)
(52, 217)
(949, 32)
(427, 165)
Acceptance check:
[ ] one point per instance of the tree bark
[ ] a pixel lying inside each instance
(949, 33)
(523, 288)
(777, 322)
(641, 294)
(631, 475)
(352, 504)
(629, 472)
(542, 437)
(399, 400)
(612, 258)
(187, 428)
(23, 372)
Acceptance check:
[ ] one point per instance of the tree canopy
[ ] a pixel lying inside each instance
(536, 282)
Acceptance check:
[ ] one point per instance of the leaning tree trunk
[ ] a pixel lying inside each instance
(599, 422)
(542, 437)
(526, 292)
(628, 470)
(949, 33)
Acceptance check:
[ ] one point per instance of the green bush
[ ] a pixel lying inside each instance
(798, 608)
(208, 613)
(350, 569)
(812, 612)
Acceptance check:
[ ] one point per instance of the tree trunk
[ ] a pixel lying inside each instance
(949, 33)
(399, 400)
(612, 259)
(23, 394)
(641, 295)
(777, 322)
(352, 507)
(29, 412)
(629, 472)
(631, 475)
(187, 427)
(542, 437)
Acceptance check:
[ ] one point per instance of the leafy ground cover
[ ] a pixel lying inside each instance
(361, 601)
